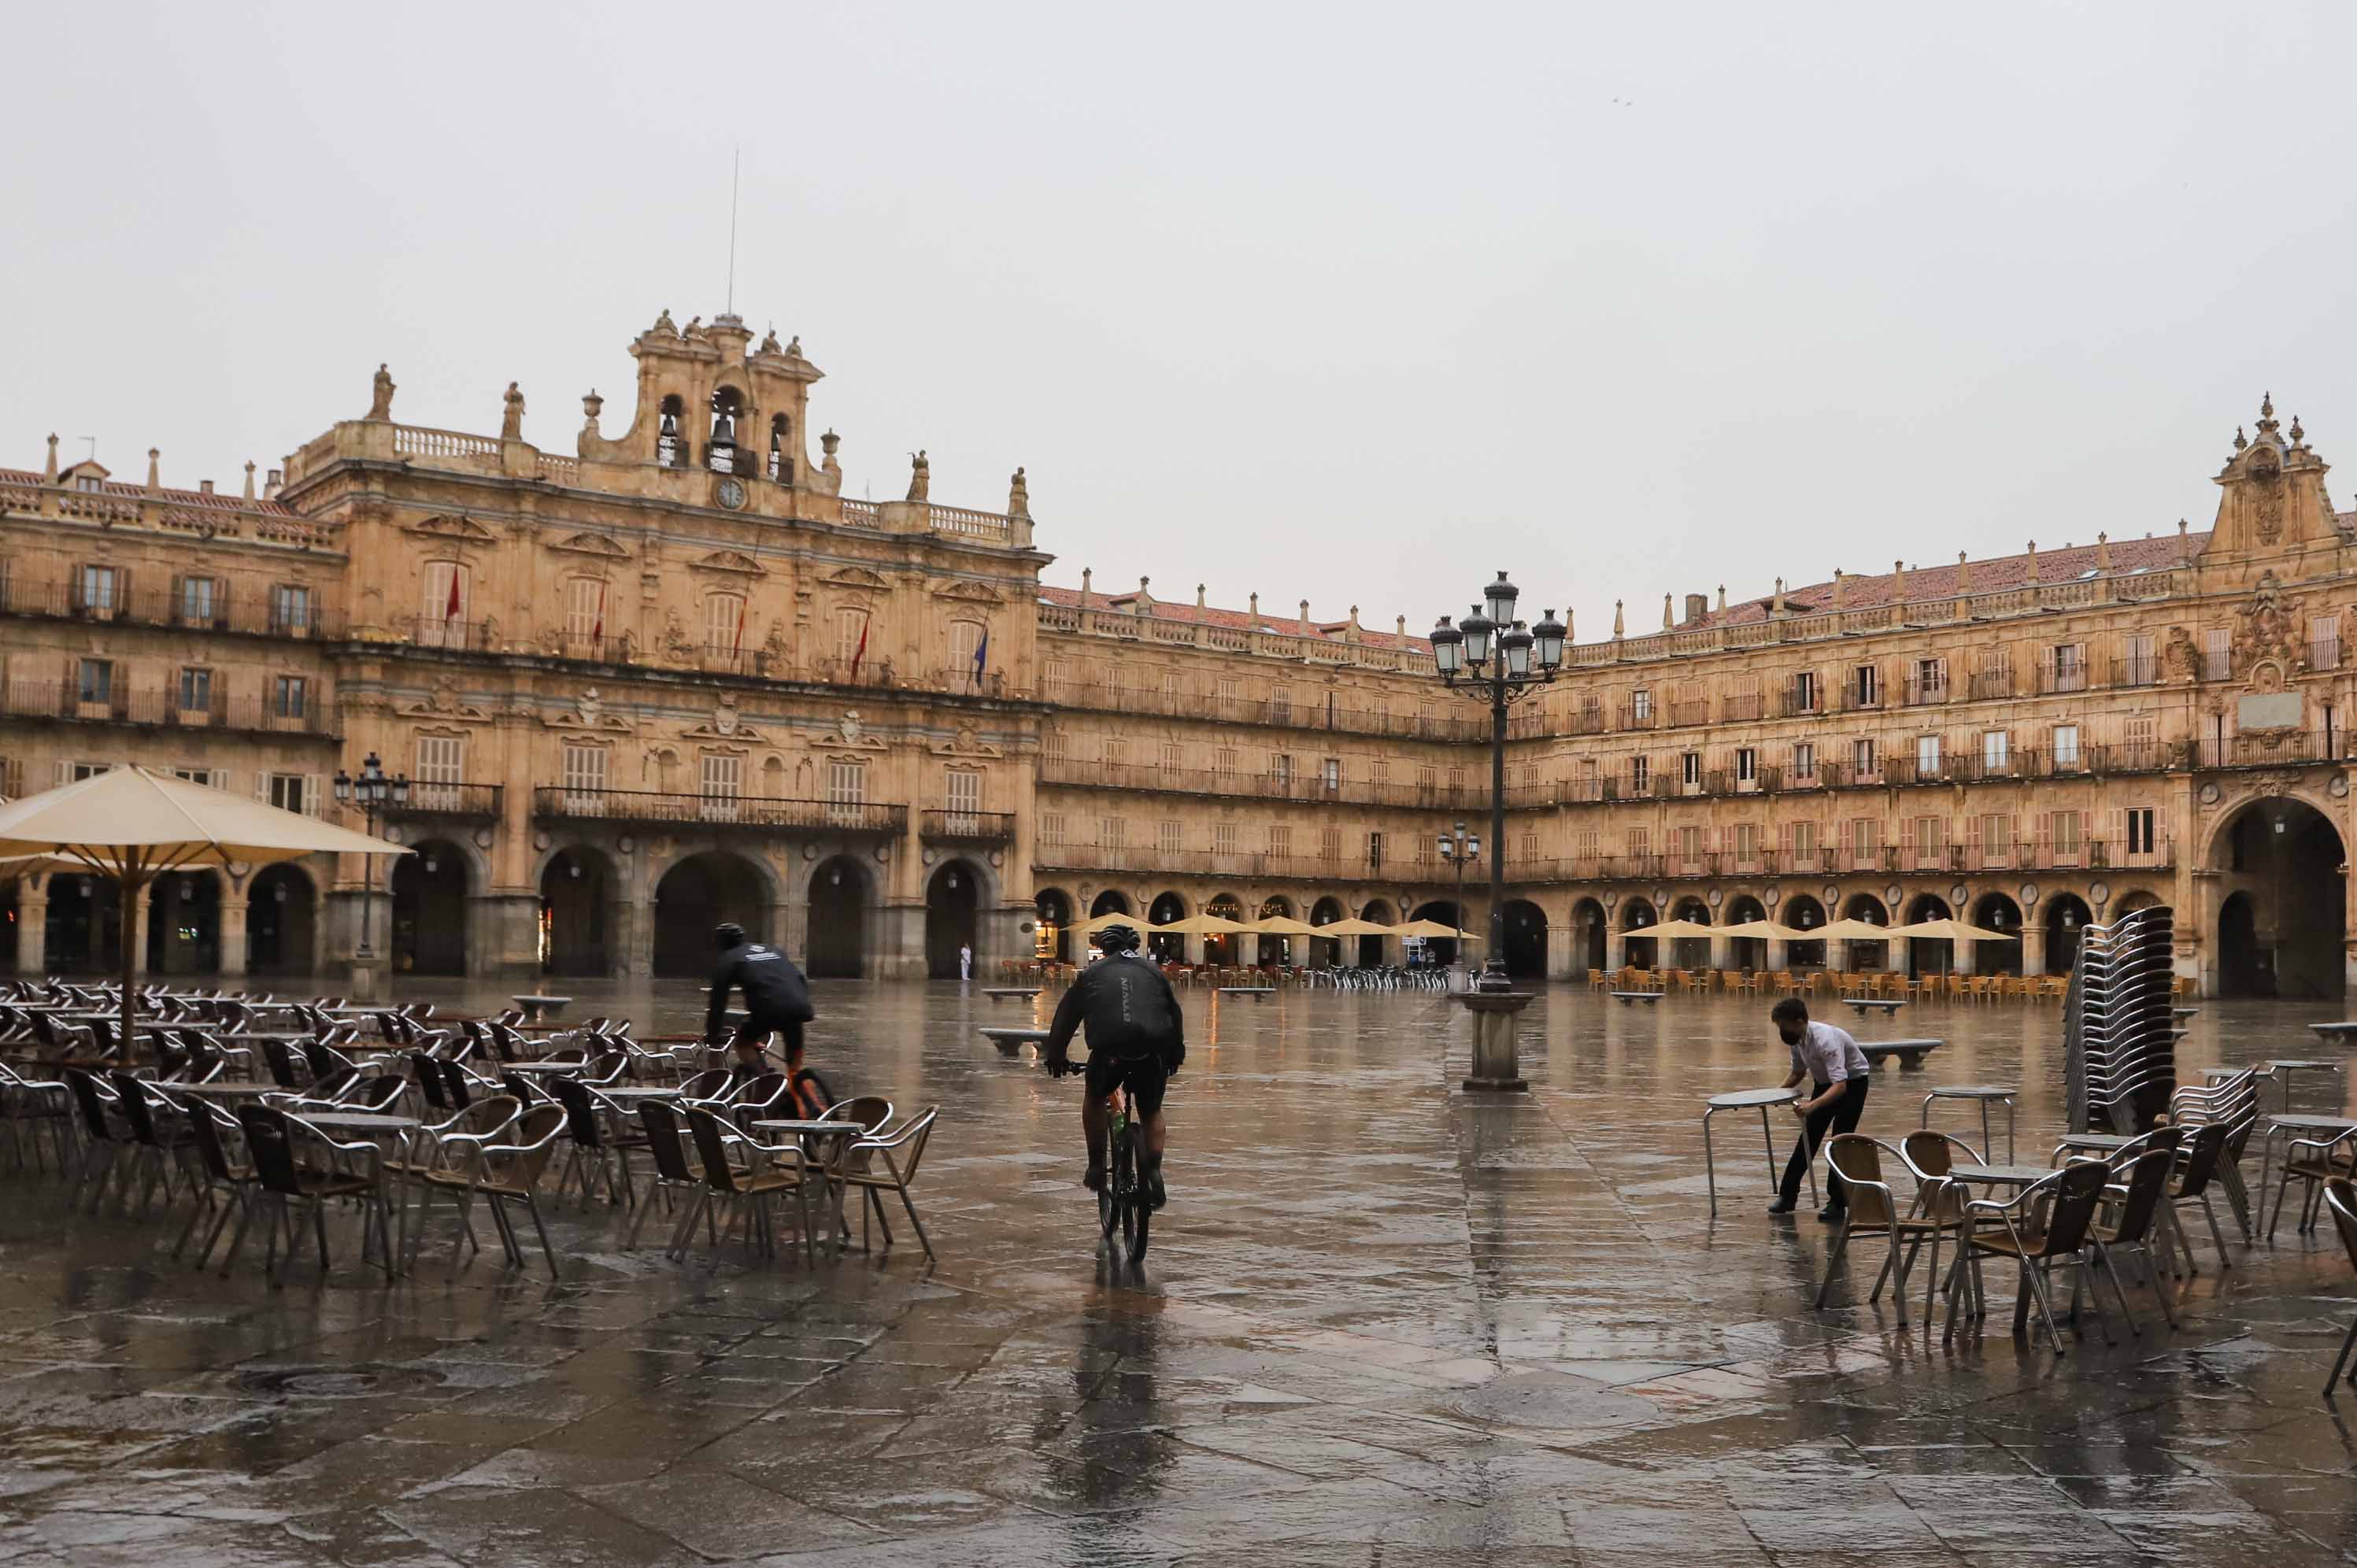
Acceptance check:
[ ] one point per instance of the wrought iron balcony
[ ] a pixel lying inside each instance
(556, 803)
(967, 827)
(477, 801)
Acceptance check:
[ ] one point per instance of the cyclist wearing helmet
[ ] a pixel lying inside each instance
(1136, 1040)
(777, 1000)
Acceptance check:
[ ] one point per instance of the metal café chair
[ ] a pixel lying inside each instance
(503, 1174)
(2341, 1202)
(2018, 1231)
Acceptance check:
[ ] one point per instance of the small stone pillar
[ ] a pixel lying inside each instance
(1496, 1015)
(33, 925)
(1779, 951)
(2033, 945)
(1616, 952)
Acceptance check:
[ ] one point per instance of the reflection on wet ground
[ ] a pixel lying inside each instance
(1383, 1322)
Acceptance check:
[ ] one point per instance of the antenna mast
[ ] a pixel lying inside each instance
(736, 157)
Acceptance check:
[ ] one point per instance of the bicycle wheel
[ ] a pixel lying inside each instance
(1108, 1196)
(1122, 1180)
(1141, 1217)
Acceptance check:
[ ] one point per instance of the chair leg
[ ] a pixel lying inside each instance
(924, 1240)
(2333, 1377)
(546, 1251)
(1832, 1262)
(2119, 1290)
(2211, 1214)
(2036, 1277)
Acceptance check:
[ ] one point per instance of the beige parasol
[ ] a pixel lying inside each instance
(1676, 929)
(1096, 923)
(1355, 927)
(1429, 929)
(1850, 929)
(1282, 926)
(1206, 926)
(1769, 930)
(131, 825)
(1950, 930)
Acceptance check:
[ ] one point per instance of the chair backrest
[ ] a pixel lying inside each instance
(454, 1084)
(662, 1124)
(1936, 1154)
(93, 1100)
(2077, 1192)
(205, 1129)
(609, 1067)
(2200, 1157)
(518, 1086)
(281, 1062)
(870, 1111)
(534, 1137)
(138, 1110)
(711, 1136)
(429, 1074)
(2341, 1197)
(376, 1091)
(1858, 1160)
(2148, 1183)
(710, 1084)
(910, 1139)
(269, 1139)
(580, 1113)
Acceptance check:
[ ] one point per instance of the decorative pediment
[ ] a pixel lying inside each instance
(726, 723)
(445, 704)
(465, 530)
(965, 590)
(855, 577)
(963, 744)
(849, 735)
(731, 561)
(588, 715)
(596, 544)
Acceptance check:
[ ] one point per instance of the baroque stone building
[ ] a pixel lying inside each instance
(677, 676)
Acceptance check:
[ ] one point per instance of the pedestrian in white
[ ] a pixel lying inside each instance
(965, 960)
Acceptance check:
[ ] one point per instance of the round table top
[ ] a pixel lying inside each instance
(2303, 1064)
(1017, 1034)
(529, 1068)
(838, 1128)
(2021, 1175)
(1973, 1091)
(2314, 1123)
(223, 1090)
(2098, 1140)
(359, 1120)
(1743, 1097)
(2233, 1071)
(2344, 1028)
(642, 1091)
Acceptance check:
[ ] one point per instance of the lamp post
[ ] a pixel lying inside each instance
(1496, 656)
(376, 796)
(1457, 846)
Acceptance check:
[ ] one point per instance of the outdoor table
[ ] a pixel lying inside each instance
(2002, 1176)
(2188, 1012)
(1986, 1093)
(2334, 1031)
(2284, 1126)
(222, 1091)
(548, 1070)
(1960, 1270)
(2103, 1142)
(641, 1092)
(1010, 993)
(1010, 1042)
(1749, 1099)
(535, 1008)
(1910, 1053)
(1626, 997)
(2285, 1067)
(1889, 1005)
(839, 1133)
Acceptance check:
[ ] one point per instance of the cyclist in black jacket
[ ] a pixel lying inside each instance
(777, 1000)
(1137, 1038)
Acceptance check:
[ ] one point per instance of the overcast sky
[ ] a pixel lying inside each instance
(1350, 302)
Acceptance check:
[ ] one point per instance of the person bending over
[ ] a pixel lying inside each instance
(777, 1001)
(1838, 1076)
(1137, 1040)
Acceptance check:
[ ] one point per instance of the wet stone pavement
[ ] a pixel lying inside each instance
(1383, 1322)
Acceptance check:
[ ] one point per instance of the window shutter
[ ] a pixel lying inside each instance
(1972, 846)
(2119, 835)
(65, 773)
(261, 786)
(122, 591)
(1907, 838)
(2046, 831)
(311, 793)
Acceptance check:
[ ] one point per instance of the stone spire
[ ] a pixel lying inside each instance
(1899, 582)
(2033, 561)
(1666, 621)
(1400, 630)
(1776, 603)
(1566, 625)
(154, 480)
(1085, 574)
(2267, 413)
(1199, 596)
(1841, 588)
(1620, 627)
(249, 479)
(2184, 542)
(1722, 598)
(2103, 551)
(1964, 576)
(51, 472)
(1302, 626)
(1256, 612)
(1144, 600)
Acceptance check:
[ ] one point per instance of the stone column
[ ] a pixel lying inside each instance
(232, 929)
(777, 914)
(1616, 949)
(1496, 1015)
(1778, 950)
(1722, 953)
(503, 931)
(2033, 947)
(1967, 954)
(32, 926)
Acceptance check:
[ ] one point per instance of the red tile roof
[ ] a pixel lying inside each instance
(1233, 620)
(24, 478)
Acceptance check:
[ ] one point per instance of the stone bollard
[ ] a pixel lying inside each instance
(1496, 1015)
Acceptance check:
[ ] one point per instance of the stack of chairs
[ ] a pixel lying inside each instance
(2119, 1039)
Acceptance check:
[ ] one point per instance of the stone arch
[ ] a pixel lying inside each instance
(433, 889)
(2289, 859)
(1446, 911)
(1638, 918)
(1929, 955)
(1995, 910)
(1326, 952)
(1689, 952)
(1110, 901)
(1168, 906)
(1373, 953)
(954, 900)
(2065, 917)
(1803, 912)
(1223, 948)
(1589, 924)
(581, 901)
(1864, 954)
(695, 893)
(1526, 942)
(1051, 934)
(845, 896)
(1746, 952)
(183, 923)
(282, 919)
(1274, 950)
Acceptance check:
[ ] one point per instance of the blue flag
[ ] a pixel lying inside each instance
(980, 657)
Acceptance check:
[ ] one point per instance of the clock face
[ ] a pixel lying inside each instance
(732, 493)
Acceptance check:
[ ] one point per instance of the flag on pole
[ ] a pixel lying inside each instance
(860, 654)
(598, 633)
(737, 647)
(980, 657)
(451, 611)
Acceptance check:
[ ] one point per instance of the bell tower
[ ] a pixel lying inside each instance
(2274, 501)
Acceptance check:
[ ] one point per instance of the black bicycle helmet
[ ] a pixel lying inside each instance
(728, 934)
(1116, 939)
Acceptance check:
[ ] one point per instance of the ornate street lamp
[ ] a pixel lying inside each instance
(377, 796)
(1499, 658)
(1457, 846)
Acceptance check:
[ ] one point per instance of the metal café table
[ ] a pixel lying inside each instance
(2285, 1126)
(1749, 1099)
(536, 1008)
(1628, 997)
(223, 1090)
(1986, 1093)
(838, 1134)
(2284, 1067)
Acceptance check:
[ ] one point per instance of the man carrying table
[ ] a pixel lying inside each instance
(1838, 1074)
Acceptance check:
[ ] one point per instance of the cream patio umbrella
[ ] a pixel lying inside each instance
(1950, 930)
(1205, 926)
(1851, 929)
(1429, 929)
(1676, 930)
(1768, 928)
(1355, 927)
(1282, 926)
(131, 825)
(1096, 923)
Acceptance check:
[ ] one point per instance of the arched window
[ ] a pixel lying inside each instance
(781, 467)
(727, 413)
(442, 618)
(850, 636)
(585, 617)
(670, 450)
(969, 655)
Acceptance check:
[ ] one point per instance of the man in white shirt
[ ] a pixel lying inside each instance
(1828, 1060)
(965, 960)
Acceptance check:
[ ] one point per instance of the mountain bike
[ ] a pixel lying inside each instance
(1123, 1205)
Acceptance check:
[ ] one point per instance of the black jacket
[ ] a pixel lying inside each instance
(775, 992)
(1128, 1008)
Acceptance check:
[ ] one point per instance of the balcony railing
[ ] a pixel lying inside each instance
(1994, 680)
(1241, 710)
(967, 827)
(244, 608)
(122, 705)
(1922, 692)
(556, 802)
(1857, 701)
(1794, 704)
(2061, 678)
(480, 800)
(2136, 670)
(1683, 715)
(1302, 785)
(2270, 749)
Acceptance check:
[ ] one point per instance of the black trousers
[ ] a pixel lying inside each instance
(1841, 1116)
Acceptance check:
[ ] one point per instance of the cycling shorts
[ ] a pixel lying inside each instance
(1142, 1076)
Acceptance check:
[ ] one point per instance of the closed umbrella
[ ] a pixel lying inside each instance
(132, 825)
